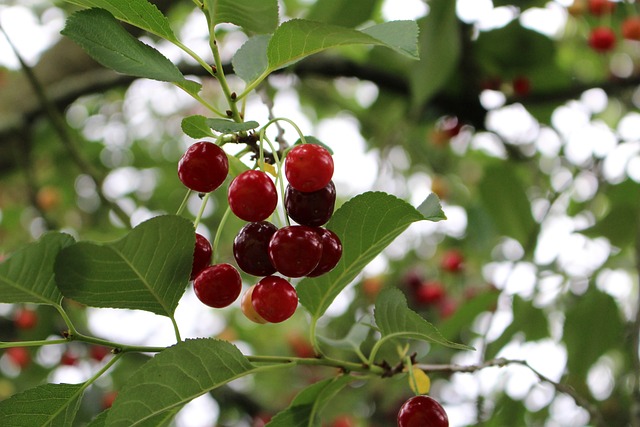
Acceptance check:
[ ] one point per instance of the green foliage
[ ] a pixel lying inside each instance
(45, 405)
(254, 16)
(201, 126)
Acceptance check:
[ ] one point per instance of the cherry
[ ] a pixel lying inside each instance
(631, 28)
(68, 359)
(331, 252)
(218, 285)
(203, 167)
(602, 39)
(308, 167)
(447, 307)
(99, 352)
(300, 345)
(312, 208)
(251, 248)
(422, 411)
(246, 305)
(19, 356)
(201, 256)
(108, 398)
(521, 86)
(252, 196)
(295, 250)
(430, 292)
(344, 421)
(274, 299)
(452, 261)
(601, 7)
(25, 318)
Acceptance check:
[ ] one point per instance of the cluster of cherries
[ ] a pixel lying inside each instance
(602, 38)
(304, 249)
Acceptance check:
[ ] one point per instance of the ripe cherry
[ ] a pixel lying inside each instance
(430, 292)
(252, 196)
(452, 261)
(312, 208)
(308, 167)
(251, 248)
(601, 7)
(68, 359)
(602, 39)
(295, 250)
(218, 285)
(631, 28)
(203, 167)
(521, 86)
(25, 318)
(331, 252)
(201, 256)
(108, 398)
(246, 305)
(19, 356)
(422, 411)
(99, 352)
(274, 299)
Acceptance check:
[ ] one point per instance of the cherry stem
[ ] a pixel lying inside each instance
(203, 205)
(184, 203)
(318, 361)
(216, 239)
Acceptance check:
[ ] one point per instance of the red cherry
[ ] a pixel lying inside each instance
(331, 252)
(252, 196)
(308, 167)
(422, 411)
(521, 86)
(430, 292)
(19, 356)
(295, 250)
(246, 306)
(452, 261)
(312, 208)
(602, 39)
(218, 285)
(344, 421)
(274, 299)
(601, 7)
(25, 318)
(108, 398)
(447, 307)
(203, 167)
(631, 28)
(201, 256)
(300, 345)
(68, 359)
(99, 352)
(251, 248)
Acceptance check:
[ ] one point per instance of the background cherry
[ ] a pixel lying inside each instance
(422, 411)
(251, 248)
(203, 167)
(452, 261)
(308, 167)
(295, 250)
(430, 292)
(218, 285)
(252, 196)
(310, 208)
(331, 252)
(274, 299)
(602, 39)
(631, 28)
(201, 256)
(25, 318)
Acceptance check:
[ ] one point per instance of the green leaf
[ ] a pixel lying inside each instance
(431, 208)
(619, 226)
(365, 224)
(440, 49)
(27, 276)
(47, 405)
(229, 126)
(196, 127)
(305, 409)
(174, 377)
(347, 13)
(299, 38)
(396, 320)
(250, 61)
(139, 13)
(256, 16)
(354, 338)
(504, 197)
(148, 269)
(313, 140)
(106, 41)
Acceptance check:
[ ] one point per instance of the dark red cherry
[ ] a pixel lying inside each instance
(201, 256)
(422, 411)
(251, 248)
(310, 208)
(218, 285)
(274, 299)
(331, 252)
(203, 167)
(295, 250)
(308, 167)
(252, 196)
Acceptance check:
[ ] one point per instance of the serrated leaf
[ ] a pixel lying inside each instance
(99, 33)
(256, 16)
(196, 127)
(229, 126)
(305, 409)
(366, 224)
(298, 38)
(48, 405)
(431, 208)
(250, 61)
(440, 48)
(139, 13)
(147, 270)
(396, 320)
(27, 276)
(354, 338)
(309, 139)
(174, 377)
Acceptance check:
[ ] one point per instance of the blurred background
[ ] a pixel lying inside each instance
(522, 116)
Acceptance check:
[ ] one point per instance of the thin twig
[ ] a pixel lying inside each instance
(635, 344)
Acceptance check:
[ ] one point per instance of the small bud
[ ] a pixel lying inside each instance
(233, 96)
(229, 113)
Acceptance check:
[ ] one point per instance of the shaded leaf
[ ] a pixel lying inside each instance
(354, 338)
(250, 61)
(396, 320)
(148, 269)
(174, 377)
(346, 13)
(431, 208)
(27, 276)
(256, 16)
(229, 126)
(366, 224)
(46, 405)
(196, 127)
